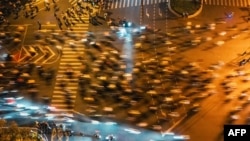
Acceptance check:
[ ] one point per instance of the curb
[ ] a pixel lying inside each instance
(176, 124)
(190, 16)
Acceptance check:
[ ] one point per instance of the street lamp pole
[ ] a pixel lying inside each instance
(142, 13)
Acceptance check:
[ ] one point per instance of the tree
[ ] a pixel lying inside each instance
(2, 124)
(25, 133)
(13, 130)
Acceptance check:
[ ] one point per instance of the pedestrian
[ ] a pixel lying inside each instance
(105, 15)
(39, 25)
(16, 13)
(55, 14)
(248, 19)
(7, 22)
(47, 6)
(183, 14)
(36, 7)
(60, 25)
(26, 15)
(186, 14)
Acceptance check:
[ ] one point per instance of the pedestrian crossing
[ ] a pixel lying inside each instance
(116, 4)
(69, 60)
(69, 57)
(236, 3)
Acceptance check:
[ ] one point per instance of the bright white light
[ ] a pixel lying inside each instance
(222, 33)
(110, 123)
(167, 134)
(14, 91)
(19, 98)
(18, 110)
(219, 43)
(20, 106)
(35, 117)
(51, 108)
(143, 27)
(70, 120)
(49, 118)
(185, 137)
(135, 30)
(95, 122)
(24, 114)
(33, 108)
(129, 24)
(123, 31)
(133, 131)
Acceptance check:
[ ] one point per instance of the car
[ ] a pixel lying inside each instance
(174, 114)
(219, 43)
(229, 98)
(167, 134)
(211, 26)
(60, 118)
(246, 79)
(232, 85)
(208, 38)
(233, 118)
(110, 138)
(222, 33)
(181, 137)
(202, 96)
(194, 108)
(242, 95)
(168, 42)
(247, 121)
(244, 103)
(196, 41)
(236, 110)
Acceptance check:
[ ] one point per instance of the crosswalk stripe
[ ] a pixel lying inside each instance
(120, 5)
(124, 1)
(62, 100)
(244, 2)
(227, 2)
(135, 2)
(60, 106)
(128, 4)
(222, 2)
(236, 3)
(217, 2)
(116, 4)
(73, 63)
(230, 2)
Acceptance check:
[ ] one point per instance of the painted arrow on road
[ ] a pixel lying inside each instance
(51, 56)
(31, 51)
(26, 52)
(41, 54)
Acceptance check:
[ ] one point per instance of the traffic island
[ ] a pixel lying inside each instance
(185, 8)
